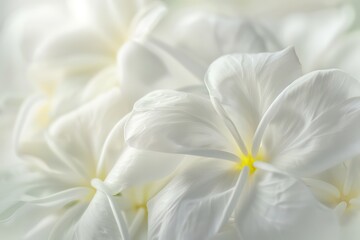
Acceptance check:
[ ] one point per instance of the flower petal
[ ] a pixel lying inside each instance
(137, 167)
(314, 124)
(246, 85)
(176, 122)
(97, 222)
(314, 33)
(224, 35)
(65, 225)
(112, 17)
(156, 73)
(59, 198)
(80, 135)
(196, 203)
(279, 206)
(68, 53)
(343, 54)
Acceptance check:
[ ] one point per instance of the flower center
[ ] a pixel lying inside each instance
(345, 199)
(348, 199)
(248, 160)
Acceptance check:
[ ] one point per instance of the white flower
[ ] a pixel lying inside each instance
(175, 55)
(187, 30)
(88, 184)
(21, 33)
(339, 189)
(141, 66)
(13, 176)
(70, 68)
(262, 117)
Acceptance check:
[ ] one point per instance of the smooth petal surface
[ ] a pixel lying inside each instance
(21, 33)
(282, 207)
(350, 230)
(314, 123)
(339, 188)
(224, 35)
(246, 85)
(112, 17)
(32, 121)
(97, 222)
(9, 109)
(80, 135)
(195, 204)
(176, 122)
(128, 167)
(68, 53)
(150, 13)
(343, 54)
(156, 72)
(137, 167)
(313, 33)
(104, 81)
(64, 227)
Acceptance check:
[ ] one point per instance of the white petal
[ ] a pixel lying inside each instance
(324, 191)
(148, 18)
(9, 109)
(104, 81)
(69, 53)
(228, 232)
(180, 64)
(22, 32)
(137, 167)
(64, 226)
(224, 35)
(14, 181)
(42, 228)
(313, 124)
(31, 124)
(32, 222)
(59, 198)
(158, 69)
(281, 207)
(246, 85)
(343, 54)
(80, 135)
(97, 222)
(195, 204)
(314, 33)
(350, 225)
(110, 16)
(153, 74)
(176, 122)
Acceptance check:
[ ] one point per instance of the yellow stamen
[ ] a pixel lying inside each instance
(248, 160)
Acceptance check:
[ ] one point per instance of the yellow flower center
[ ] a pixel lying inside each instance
(248, 160)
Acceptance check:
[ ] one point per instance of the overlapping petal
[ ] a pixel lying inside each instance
(246, 85)
(80, 135)
(282, 207)
(97, 221)
(179, 123)
(196, 203)
(309, 130)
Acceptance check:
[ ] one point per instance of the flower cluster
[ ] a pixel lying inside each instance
(180, 120)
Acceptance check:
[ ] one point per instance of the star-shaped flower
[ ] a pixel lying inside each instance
(263, 121)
